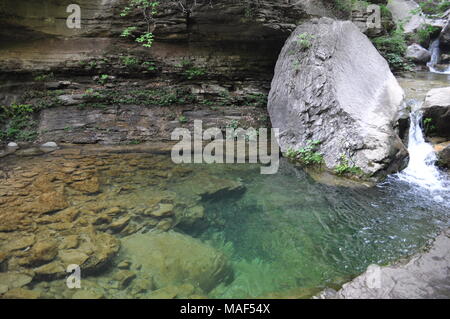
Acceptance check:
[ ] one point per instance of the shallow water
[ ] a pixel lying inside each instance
(285, 234)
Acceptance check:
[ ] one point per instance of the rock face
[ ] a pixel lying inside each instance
(172, 259)
(445, 36)
(444, 157)
(437, 108)
(425, 276)
(418, 54)
(402, 13)
(332, 85)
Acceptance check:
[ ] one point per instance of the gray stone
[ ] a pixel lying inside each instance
(402, 12)
(13, 145)
(49, 145)
(437, 108)
(445, 36)
(444, 157)
(425, 276)
(418, 54)
(341, 92)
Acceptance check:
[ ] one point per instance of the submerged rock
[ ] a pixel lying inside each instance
(331, 85)
(424, 276)
(172, 259)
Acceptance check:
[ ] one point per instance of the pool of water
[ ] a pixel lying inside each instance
(283, 235)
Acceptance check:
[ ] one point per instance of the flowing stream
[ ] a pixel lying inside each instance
(421, 169)
(435, 56)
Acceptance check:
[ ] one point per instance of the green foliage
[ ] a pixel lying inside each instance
(304, 40)
(148, 9)
(129, 61)
(307, 155)
(429, 127)
(18, 123)
(425, 33)
(256, 99)
(393, 48)
(190, 71)
(103, 79)
(434, 7)
(43, 77)
(146, 39)
(344, 167)
(182, 119)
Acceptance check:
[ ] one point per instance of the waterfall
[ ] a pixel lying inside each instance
(421, 169)
(435, 55)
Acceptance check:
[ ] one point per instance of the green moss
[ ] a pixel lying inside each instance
(307, 155)
(345, 168)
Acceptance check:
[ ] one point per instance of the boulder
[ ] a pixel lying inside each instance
(425, 276)
(444, 157)
(403, 12)
(437, 108)
(331, 85)
(172, 259)
(418, 54)
(445, 36)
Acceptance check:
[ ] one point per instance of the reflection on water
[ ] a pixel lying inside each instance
(255, 235)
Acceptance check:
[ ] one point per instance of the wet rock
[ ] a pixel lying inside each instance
(69, 242)
(43, 252)
(425, 276)
(12, 280)
(445, 36)
(162, 211)
(172, 258)
(313, 98)
(444, 157)
(418, 54)
(172, 292)
(49, 145)
(119, 224)
(51, 270)
(87, 294)
(124, 277)
(21, 293)
(437, 108)
(88, 186)
(72, 256)
(125, 264)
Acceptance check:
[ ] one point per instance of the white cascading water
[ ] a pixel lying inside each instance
(435, 54)
(421, 169)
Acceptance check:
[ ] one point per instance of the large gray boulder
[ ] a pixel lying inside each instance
(437, 108)
(336, 88)
(418, 54)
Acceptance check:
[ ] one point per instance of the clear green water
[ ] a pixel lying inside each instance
(285, 234)
(288, 231)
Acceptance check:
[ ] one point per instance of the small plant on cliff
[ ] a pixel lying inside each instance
(307, 155)
(18, 122)
(304, 40)
(103, 79)
(429, 126)
(344, 167)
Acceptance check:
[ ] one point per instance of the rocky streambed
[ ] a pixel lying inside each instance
(140, 226)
